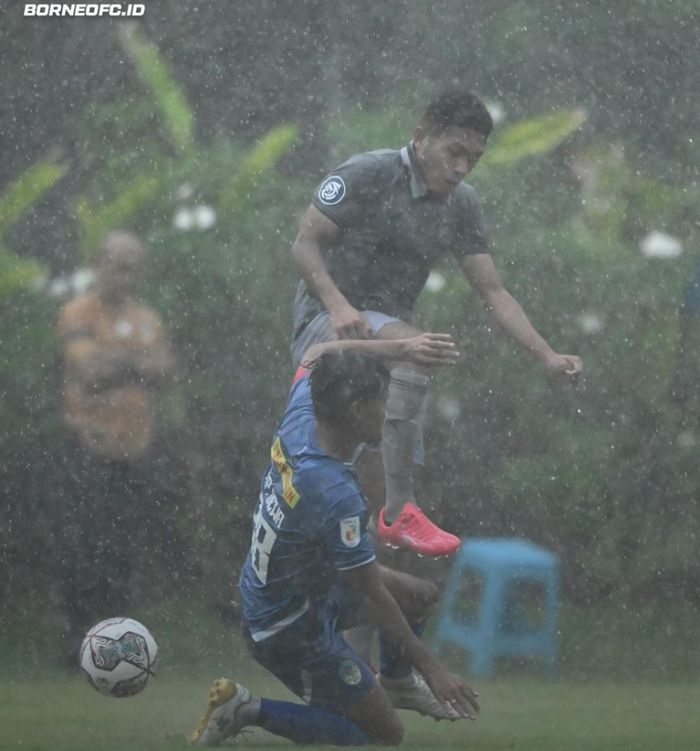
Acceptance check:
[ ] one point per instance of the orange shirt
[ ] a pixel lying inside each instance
(115, 422)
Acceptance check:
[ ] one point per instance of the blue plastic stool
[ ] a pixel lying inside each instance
(498, 629)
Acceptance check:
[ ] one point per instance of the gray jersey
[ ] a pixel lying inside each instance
(392, 232)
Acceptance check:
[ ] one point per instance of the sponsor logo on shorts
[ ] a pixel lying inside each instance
(350, 531)
(332, 190)
(349, 672)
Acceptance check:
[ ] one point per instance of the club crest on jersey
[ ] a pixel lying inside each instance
(332, 190)
(350, 531)
(349, 672)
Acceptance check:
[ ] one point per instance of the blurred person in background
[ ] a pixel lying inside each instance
(376, 227)
(114, 508)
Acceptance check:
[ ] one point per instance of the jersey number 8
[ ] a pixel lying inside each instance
(264, 537)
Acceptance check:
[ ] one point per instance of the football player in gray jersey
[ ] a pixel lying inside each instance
(376, 227)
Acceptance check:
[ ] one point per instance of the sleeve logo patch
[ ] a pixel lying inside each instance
(350, 531)
(332, 190)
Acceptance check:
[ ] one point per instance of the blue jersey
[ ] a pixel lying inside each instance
(310, 523)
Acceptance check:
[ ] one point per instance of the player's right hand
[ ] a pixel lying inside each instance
(453, 693)
(432, 349)
(348, 323)
(570, 365)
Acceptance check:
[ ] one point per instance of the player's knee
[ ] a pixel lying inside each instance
(425, 597)
(407, 393)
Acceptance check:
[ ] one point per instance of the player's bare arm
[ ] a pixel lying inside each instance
(429, 349)
(507, 312)
(315, 232)
(381, 609)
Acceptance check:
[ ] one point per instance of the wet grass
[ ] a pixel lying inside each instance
(627, 682)
(62, 713)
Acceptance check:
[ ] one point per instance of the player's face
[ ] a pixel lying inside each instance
(370, 419)
(447, 157)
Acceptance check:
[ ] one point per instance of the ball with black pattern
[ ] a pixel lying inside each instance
(119, 656)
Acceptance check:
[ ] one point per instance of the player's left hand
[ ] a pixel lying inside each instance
(570, 365)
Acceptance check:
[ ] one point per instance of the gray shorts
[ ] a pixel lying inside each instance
(318, 330)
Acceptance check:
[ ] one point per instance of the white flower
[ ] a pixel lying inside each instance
(204, 217)
(59, 287)
(660, 245)
(435, 282)
(498, 114)
(82, 280)
(183, 219)
(590, 323)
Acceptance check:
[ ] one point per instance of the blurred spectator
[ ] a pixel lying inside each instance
(115, 509)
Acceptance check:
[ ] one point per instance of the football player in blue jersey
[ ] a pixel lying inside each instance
(311, 571)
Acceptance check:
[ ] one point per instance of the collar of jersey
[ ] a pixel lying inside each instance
(408, 156)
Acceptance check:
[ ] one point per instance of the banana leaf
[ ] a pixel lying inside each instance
(260, 158)
(96, 221)
(26, 190)
(533, 136)
(167, 93)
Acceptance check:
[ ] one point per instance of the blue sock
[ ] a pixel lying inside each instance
(392, 662)
(309, 724)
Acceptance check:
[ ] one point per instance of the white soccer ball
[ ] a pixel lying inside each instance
(118, 656)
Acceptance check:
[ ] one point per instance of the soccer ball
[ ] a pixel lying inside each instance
(118, 656)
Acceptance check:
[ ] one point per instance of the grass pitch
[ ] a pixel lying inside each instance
(63, 713)
(652, 705)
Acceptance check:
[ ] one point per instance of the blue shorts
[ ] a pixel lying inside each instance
(313, 660)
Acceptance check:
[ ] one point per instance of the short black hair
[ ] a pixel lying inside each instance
(457, 109)
(341, 378)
